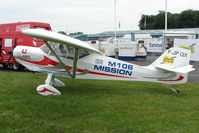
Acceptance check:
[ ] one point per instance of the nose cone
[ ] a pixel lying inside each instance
(21, 52)
(16, 52)
(28, 53)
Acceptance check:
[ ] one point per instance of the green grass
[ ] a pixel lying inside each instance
(96, 106)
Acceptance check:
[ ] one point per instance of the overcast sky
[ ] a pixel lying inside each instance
(88, 16)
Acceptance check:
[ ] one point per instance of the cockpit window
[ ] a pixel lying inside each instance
(45, 49)
(83, 53)
(63, 51)
(42, 28)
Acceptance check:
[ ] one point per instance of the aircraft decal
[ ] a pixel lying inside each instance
(113, 70)
(46, 90)
(168, 60)
(46, 61)
(106, 69)
(103, 74)
(180, 78)
(24, 51)
(114, 67)
(97, 73)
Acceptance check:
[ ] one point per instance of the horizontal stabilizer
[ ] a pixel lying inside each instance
(184, 69)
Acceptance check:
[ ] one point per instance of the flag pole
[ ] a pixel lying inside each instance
(165, 15)
(115, 20)
(165, 41)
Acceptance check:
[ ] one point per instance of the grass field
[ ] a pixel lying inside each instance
(93, 106)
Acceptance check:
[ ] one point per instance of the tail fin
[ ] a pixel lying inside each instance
(174, 60)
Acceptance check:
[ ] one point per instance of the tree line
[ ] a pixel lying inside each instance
(185, 19)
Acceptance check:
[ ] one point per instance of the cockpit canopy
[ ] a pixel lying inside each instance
(63, 51)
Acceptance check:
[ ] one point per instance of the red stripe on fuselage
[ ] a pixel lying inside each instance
(180, 78)
(68, 67)
(46, 61)
(97, 73)
(104, 74)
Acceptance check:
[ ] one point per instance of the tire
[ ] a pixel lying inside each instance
(4, 66)
(17, 67)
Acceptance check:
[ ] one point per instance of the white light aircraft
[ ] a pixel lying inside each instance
(65, 56)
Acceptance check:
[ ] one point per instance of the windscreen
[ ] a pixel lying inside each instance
(63, 51)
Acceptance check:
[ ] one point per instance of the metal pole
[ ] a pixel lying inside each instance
(115, 22)
(165, 15)
(165, 41)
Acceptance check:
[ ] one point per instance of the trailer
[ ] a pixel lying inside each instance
(11, 36)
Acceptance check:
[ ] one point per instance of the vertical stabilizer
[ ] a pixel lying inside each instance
(175, 60)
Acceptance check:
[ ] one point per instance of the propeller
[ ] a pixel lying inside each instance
(11, 55)
(11, 50)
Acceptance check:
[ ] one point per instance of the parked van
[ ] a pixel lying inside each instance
(11, 36)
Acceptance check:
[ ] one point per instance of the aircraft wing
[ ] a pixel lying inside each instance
(62, 39)
(59, 38)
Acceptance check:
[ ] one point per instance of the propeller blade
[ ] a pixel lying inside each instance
(10, 51)
(9, 59)
(11, 55)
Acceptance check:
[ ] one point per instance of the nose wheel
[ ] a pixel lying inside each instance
(48, 87)
(47, 90)
(17, 67)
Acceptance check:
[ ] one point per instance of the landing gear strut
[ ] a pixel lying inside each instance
(171, 88)
(48, 87)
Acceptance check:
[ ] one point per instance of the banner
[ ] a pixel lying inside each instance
(191, 44)
(154, 46)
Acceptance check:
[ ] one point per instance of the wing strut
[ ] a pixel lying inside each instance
(48, 45)
(75, 62)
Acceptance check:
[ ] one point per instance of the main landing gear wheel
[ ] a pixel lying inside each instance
(5, 66)
(17, 67)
